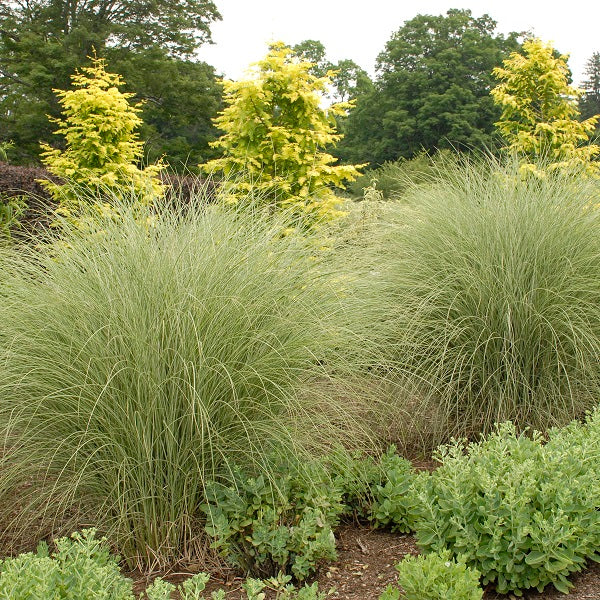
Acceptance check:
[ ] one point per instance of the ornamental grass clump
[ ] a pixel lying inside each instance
(142, 359)
(495, 286)
(524, 513)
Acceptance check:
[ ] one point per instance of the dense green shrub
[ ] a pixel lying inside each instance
(81, 568)
(393, 501)
(373, 488)
(288, 527)
(144, 359)
(266, 529)
(523, 513)
(377, 489)
(494, 293)
(435, 577)
(354, 476)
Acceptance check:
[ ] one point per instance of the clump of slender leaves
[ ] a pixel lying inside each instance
(12, 210)
(494, 282)
(150, 353)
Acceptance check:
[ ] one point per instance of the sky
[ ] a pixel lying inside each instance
(359, 29)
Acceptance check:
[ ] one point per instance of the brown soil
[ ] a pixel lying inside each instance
(366, 565)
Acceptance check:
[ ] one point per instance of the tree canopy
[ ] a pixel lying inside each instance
(43, 41)
(348, 80)
(540, 115)
(180, 26)
(432, 89)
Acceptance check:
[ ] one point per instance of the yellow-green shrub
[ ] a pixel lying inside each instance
(275, 132)
(540, 114)
(102, 150)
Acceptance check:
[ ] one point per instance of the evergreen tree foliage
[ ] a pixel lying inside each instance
(540, 115)
(102, 148)
(275, 133)
(589, 104)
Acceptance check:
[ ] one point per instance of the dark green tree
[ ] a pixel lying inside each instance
(313, 51)
(349, 79)
(589, 104)
(42, 42)
(180, 99)
(432, 89)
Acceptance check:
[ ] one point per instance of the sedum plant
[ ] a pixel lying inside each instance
(377, 489)
(435, 577)
(102, 151)
(393, 501)
(81, 568)
(191, 589)
(266, 529)
(524, 513)
(286, 526)
(275, 136)
(255, 589)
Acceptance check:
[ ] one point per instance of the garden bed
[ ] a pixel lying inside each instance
(366, 565)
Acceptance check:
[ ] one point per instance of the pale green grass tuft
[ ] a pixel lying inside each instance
(495, 286)
(146, 355)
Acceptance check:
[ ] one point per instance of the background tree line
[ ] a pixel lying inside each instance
(431, 88)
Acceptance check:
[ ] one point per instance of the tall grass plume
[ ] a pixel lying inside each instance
(151, 352)
(495, 286)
